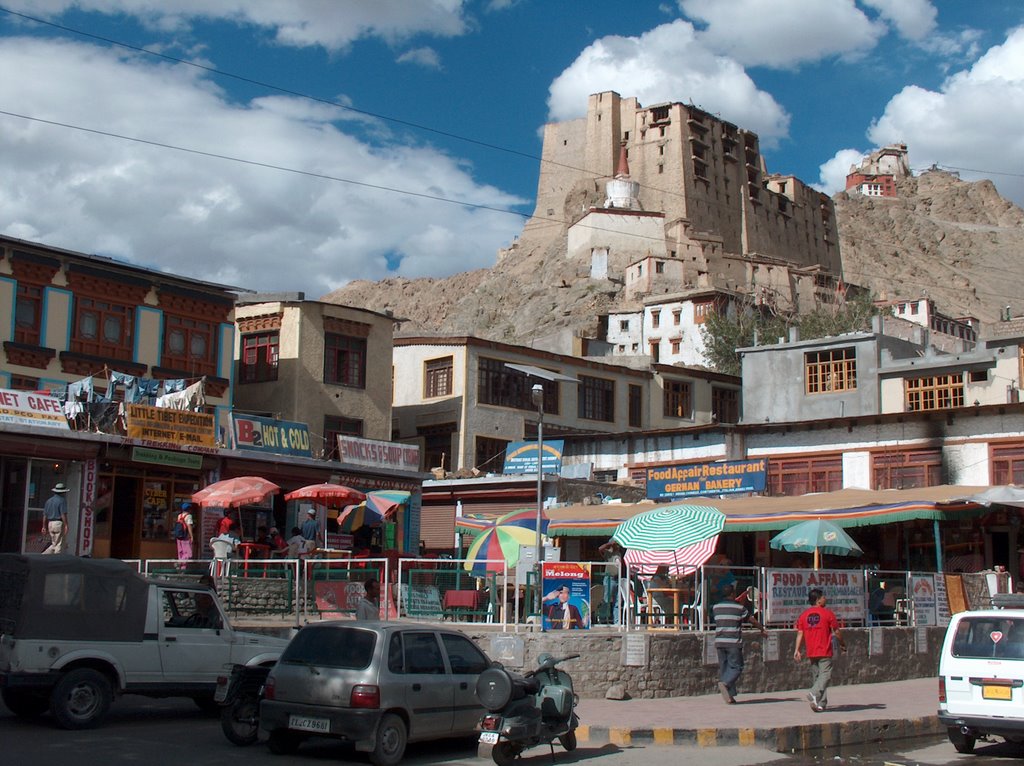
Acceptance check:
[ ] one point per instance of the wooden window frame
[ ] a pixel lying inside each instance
(335, 426)
(678, 399)
(636, 404)
(596, 399)
(104, 312)
(803, 475)
(344, 360)
(501, 386)
(906, 468)
(725, 404)
(934, 392)
(28, 314)
(489, 454)
(259, 356)
(830, 371)
(438, 377)
(192, 329)
(1007, 463)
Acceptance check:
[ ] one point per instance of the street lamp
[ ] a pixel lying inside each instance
(537, 394)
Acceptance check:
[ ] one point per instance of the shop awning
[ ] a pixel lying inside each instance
(846, 508)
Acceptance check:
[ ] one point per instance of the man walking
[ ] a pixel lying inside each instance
(815, 629)
(311, 527)
(729, 616)
(55, 519)
(368, 607)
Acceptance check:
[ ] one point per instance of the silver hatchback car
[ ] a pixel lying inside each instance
(377, 685)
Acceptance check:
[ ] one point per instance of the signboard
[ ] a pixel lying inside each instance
(521, 457)
(177, 427)
(421, 601)
(280, 437)
(922, 591)
(941, 601)
(787, 593)
(87, 515)
(24, 408)
(634, 649)
(378, 454)
(163, 457)
(566, 589)
(695, 479)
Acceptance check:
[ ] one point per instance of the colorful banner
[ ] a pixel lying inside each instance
(566, 589)
(788, 588)
(24, 408)
(695, 479)
(378, 454)
(166, 426)
(521, 457)
(280, 437)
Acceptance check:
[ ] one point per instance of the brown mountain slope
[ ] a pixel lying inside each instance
(959, 243)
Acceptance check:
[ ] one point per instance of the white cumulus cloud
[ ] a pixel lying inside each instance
(668, 63)
(215, 219)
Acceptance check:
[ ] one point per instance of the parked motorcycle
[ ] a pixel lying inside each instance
(526, 710)
(239, 695)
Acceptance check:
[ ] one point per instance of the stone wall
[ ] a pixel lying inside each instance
(675, 662)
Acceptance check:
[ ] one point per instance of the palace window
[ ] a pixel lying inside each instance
(596, 399)
(259, 357)
(678, 399)
(437, 376)
(827, 372)
(936, 392)
(344, 360)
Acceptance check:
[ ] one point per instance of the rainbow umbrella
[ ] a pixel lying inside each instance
(356, 516)
(386, 501)
(501, 541)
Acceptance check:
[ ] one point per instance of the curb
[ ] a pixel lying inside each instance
(784, 739)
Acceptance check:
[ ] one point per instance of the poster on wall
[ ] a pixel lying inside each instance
(787, 593)
(566, 588)
(922, 591)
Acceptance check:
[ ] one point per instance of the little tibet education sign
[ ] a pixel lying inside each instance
(694, 479)
(788, 588)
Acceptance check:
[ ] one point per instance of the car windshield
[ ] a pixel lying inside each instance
(990, 637)
(334, 647)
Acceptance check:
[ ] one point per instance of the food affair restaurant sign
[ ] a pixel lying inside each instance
(378, 454)
(696, 479)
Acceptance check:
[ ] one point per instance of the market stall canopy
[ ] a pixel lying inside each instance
(500, 541)
(236, 492)
(331, 495)
(1006, 494)
(356, 516)
(845, 508)
(815, 536)
(387, 501)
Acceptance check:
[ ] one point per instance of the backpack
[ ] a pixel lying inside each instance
(179, 532)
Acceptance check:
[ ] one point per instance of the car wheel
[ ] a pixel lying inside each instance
(390, 743)
(283, 742)
(568, 741)
(25, 704)
(504, 753)
(240, 720)
(964, 743)
(81, 699)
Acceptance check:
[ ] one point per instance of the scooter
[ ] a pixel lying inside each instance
(526, 710)
(239, 695)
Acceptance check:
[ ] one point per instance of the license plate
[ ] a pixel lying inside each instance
(489, 737)
(304, 723)
(996, 692)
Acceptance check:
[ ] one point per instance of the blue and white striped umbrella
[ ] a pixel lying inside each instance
(669, 528)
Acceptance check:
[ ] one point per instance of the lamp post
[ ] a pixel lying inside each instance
(537, 394)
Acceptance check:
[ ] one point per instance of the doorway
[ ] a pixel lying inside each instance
(1000, 548)
(124, 539)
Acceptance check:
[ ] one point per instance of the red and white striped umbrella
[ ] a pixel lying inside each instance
(681, 562)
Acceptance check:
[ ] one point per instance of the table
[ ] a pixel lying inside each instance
(248, 551)
(462, 602)
(677, 597)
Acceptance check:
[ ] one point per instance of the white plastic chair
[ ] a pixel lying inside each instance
(221, 564)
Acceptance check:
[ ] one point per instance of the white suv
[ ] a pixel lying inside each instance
(981, 674)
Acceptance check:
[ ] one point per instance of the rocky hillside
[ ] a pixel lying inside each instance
(959, 243)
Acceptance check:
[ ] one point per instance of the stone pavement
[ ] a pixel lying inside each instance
(779, 721)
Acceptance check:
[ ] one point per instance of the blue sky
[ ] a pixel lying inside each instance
(245, 169)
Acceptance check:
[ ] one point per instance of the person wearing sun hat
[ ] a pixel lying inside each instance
(55, 519)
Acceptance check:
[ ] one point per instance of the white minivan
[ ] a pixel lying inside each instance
(981, 674)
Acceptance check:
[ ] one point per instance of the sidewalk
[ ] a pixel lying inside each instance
(779, 721)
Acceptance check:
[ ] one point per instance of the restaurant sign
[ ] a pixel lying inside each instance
(788, 588)
(378, 454)
(281, 437)
(521, 457)
(164, 425)
(693, 479)
(24, 408)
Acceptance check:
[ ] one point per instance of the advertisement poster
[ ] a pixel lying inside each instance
(281, 437)
(566, 588)
(787, 593)
(521, 457)
(922, 591)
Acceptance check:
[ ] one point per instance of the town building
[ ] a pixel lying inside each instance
(877, 173)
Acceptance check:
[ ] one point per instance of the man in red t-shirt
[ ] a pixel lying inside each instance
(815, 629)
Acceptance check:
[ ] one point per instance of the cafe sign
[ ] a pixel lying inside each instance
(281, 437)
(694, 479)
(163, 425)
(24, 408)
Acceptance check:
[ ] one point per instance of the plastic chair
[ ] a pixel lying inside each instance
(220, 566)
